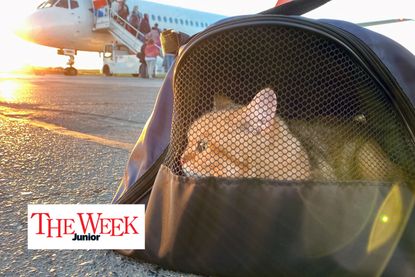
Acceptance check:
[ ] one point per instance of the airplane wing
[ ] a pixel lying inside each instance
(381, 22)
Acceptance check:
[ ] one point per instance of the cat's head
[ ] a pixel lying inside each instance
(219, 142)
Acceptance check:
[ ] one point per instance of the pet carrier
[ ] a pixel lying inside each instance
(288, 149)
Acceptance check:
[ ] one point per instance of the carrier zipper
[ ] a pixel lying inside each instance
(368, 59)
(142, 187)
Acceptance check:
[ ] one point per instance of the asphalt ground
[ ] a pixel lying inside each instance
(66, 140)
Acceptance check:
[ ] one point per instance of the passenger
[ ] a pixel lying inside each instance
(154, 35)
(127, 13)
(156, 25)
(145, 25)
(143, 65)
(164, 64)
(123, 10)
(151, 52)
(134, 20)
(168, 61)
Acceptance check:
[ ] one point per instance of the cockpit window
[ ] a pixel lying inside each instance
(62, 4)
(47, 4)
(74, 4)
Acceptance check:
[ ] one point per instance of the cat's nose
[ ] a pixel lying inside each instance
(186, 157)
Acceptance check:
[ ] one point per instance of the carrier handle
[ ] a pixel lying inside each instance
(295, 7)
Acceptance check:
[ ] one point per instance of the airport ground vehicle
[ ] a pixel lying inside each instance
(118, 59)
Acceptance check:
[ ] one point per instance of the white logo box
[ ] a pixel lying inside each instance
(86, 226)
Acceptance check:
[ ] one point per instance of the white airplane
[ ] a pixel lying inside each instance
(70, 25)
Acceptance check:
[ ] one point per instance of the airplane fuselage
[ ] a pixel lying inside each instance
(71, 27)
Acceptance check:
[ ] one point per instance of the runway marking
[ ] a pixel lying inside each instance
(63, 131)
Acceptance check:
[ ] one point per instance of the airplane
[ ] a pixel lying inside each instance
(70, 25)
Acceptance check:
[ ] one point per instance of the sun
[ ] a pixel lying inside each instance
(13, 50)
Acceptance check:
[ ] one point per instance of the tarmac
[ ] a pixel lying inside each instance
(66, 140)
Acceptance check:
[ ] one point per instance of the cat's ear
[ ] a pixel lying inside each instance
(221, 102)
(261, 110)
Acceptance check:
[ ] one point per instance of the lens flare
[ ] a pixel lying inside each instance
(385, 219)
(388, 220)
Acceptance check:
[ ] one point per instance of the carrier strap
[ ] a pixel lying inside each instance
(295, 7)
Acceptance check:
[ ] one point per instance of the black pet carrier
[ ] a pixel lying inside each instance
(289, 150)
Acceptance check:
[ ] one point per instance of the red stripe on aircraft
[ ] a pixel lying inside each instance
(282, 2)
(99, 4)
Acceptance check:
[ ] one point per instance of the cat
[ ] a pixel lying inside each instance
(245, 141)
(253, 141)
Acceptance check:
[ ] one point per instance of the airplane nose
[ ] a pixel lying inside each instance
(31, 28)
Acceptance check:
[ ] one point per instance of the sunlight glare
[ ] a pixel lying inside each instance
(9, 90)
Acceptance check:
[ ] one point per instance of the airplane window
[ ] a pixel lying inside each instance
(176, 21)
(153, 17)
(181, 21)
(186, 22)
(170, 20)
(62, 4)
(191, 23)
(74, 4)
(197, 23)
(164, 19)
(159, 18)
(47, 4)
(41, 5)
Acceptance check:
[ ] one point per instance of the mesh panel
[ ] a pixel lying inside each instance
(282, 103)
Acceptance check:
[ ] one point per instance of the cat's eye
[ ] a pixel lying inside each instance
(201, 146)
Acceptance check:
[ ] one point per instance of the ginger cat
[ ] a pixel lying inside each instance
(253, 141)
(245, 141)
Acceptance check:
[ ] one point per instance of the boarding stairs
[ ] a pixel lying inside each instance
(122, 30)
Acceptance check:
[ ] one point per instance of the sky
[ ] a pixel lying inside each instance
(16, 53)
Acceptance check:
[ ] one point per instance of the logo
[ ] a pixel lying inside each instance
(85, 227)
